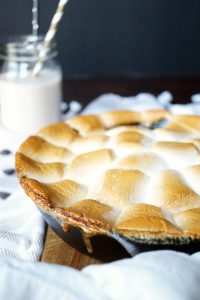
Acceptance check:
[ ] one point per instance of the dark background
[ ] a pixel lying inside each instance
(117, 37)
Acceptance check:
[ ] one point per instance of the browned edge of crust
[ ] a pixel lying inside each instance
(74, 218)
(67, 215)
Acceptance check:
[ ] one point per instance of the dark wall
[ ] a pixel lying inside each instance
(117, 37)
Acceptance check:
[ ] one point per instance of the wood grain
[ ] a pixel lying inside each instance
(59, 252)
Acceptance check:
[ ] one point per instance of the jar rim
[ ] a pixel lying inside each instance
(24, 48)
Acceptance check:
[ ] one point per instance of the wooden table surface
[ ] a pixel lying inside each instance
(86, 89)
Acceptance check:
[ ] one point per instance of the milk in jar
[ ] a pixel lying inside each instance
(27, 102)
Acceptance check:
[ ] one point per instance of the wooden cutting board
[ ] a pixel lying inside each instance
(58, 252)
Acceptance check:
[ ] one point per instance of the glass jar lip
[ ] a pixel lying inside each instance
(25, 48)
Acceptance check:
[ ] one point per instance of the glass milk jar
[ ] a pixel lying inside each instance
(27, 102)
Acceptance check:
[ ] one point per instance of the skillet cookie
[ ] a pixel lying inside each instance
(118, 172)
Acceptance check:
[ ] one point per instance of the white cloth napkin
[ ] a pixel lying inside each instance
(165, 275)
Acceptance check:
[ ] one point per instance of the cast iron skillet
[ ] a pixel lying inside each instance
(113, 247)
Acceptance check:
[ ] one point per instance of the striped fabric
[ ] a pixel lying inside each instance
(21, 226)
